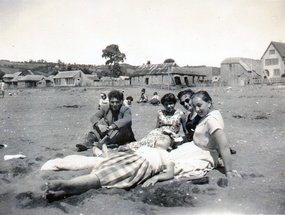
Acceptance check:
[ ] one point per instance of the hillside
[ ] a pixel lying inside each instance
(48, 68)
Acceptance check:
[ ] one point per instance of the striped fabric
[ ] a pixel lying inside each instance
(123, 171)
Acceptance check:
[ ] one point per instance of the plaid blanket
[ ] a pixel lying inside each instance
(123, 171)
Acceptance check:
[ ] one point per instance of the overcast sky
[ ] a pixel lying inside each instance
(192, 32)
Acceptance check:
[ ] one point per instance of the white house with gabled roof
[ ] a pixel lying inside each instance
(273, 60)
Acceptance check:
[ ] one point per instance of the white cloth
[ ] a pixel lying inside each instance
(158, 158)
(72, 162)
(18, 156)
(191, 160)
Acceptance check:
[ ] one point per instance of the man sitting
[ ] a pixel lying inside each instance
(112, 125)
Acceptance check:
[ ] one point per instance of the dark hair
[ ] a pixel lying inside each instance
(129, 98)
(155, 93)
(204, 96)
(184, 92)
(143, 90)
(169, 97)
(116, 94)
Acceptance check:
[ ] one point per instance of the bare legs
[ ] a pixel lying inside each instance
(58, 189)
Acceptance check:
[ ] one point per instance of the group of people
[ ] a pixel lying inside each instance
(159, 156)
(154, 100)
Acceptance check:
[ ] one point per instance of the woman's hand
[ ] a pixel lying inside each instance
(150, 181)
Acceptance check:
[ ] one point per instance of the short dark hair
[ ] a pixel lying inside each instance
(183, 92)
(116, 94)
(169, 97)
(129, 98)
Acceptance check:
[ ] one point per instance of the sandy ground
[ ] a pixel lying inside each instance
(43, 124)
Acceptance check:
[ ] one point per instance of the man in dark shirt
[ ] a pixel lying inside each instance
(112, 124)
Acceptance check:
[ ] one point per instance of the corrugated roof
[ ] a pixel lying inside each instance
(154, 69)
(12, 75)
(67, 74)
(162, 69)
(31, 78)
(186, 71)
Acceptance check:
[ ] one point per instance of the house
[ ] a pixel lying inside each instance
(29, 81)
(212, 73)
(11, 80)
(115, 82)
(240, 71)
(106, 81)
(165, 75)
(93, 77)
(273, 60)
(72, 78)
(50, 81)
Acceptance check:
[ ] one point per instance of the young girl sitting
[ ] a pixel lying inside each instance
(123, 170)
(169, 120)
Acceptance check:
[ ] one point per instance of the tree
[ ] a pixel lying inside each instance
(86, 71)
(103, 73)
(169, 60)
(115, 57)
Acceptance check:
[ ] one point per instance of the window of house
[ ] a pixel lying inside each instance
(146, 81)
(177, 80)
(272, 61)
(186, 81)
(276, 72)
(272, 51)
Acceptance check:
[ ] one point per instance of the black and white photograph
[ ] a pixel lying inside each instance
(156, 107)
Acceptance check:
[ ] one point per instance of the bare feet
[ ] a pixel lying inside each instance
(55, 191)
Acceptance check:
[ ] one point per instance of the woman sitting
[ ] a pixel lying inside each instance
(209, 140)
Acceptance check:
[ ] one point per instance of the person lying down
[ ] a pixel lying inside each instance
(145, 166)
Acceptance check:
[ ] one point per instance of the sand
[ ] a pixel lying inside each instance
(44, 124)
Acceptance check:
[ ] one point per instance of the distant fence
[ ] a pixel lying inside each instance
(269, 80)
(211, 84)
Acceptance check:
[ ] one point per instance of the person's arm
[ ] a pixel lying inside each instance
(126, 119)
(157, 121)
(97, 116)
(183, 122)
(220, 138)
(163, 176)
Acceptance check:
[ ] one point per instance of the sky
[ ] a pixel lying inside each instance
(192, 32)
